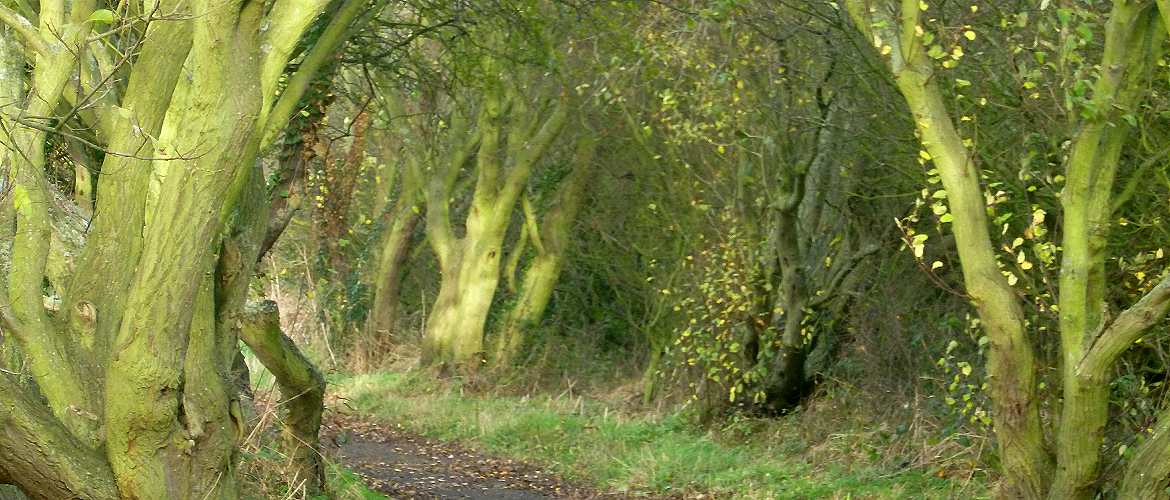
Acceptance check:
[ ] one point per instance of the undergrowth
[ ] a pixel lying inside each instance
(260, 471)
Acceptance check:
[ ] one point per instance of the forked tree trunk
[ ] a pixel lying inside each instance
(470, 265)
(470, 276)
(1090, 343)
(550, 241)
(154, 449)
(787, 380)
(151, 305)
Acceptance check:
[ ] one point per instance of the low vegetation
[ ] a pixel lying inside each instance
(650, 453)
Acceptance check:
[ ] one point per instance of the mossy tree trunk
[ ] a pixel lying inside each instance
(507, 134)
(796, 278)
(403, 179)
(549, 239)
(403, 217)
(1090, 341)
(302, 389)
(141, 407)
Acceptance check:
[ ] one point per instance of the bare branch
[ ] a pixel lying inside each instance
(1126, 329)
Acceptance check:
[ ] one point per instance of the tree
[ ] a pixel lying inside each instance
(1091, 339)
(141, 405)
(470, 265)
(752, 128)
(549, 238)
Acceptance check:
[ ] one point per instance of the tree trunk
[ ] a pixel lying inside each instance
(392, 258)
(147, 309)
(787, 381)
(302, 390)
(105, 271)
(10, 492)
(1147, 475)
(41, 456)
(540, 278)
(1131, 37)
(455, 328)
(470, 266)
(1011, 367)
(550, 244)
(154, 450)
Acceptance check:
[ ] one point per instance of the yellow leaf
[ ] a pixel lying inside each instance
(970, 35)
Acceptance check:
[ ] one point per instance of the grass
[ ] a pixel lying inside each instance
(262, 478)
(632, 453)
(343, 484)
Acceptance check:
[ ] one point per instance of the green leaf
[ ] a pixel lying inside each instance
(102, 16)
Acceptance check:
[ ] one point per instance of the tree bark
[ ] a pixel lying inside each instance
(41, 456)
(149, 444)
(302, 390)
(1131, 35)
(392, 259)
(550, 243)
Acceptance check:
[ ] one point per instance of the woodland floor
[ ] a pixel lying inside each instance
(400, 464)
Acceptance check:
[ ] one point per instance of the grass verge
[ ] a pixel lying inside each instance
(635, 454)
(260, 471)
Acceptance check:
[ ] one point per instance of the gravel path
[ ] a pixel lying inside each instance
(404, 465)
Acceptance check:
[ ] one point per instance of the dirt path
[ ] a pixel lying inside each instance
(404, 465)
